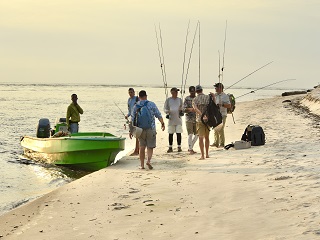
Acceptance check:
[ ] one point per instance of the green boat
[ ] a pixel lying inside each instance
(89, 151)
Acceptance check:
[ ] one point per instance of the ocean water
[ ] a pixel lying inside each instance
(22, 105)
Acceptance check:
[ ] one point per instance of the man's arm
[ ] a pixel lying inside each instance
(79, 109)
(68, 116)
(166, 106)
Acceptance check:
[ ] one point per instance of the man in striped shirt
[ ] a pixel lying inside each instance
(200, 104)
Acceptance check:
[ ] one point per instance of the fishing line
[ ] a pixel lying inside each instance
(164, 66)
(184, 57)
(253, 91)
(127, 122)
(249, 74)
(224, 50)
(161, 58)
(185, 82)
(199, 52)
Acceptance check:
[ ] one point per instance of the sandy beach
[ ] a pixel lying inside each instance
(264, 192)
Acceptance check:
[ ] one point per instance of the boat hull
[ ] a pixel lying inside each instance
(86, 151)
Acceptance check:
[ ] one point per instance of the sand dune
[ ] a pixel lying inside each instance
(264, 192)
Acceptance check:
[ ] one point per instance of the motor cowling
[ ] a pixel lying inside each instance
(43, 128)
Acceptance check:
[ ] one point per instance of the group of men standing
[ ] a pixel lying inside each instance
(193, 107)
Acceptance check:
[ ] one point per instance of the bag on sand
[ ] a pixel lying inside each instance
(143, 116)
(255, 134)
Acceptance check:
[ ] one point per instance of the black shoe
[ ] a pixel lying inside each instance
(170, 150)
(179, 149)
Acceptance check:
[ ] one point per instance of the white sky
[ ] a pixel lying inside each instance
(113, 42)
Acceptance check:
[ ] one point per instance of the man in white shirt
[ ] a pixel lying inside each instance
(223, 102)
(173, 109)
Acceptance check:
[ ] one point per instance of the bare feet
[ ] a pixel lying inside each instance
(202, 158)
(134, 154)
(141, 168)
(207, 156)
(191, 152)
(149, 165)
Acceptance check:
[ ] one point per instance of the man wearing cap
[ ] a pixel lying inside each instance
(190, 119)
(223, 102)
(73, 114)
(173, 109)
(200, 103)
(147, 139)
(132, 100)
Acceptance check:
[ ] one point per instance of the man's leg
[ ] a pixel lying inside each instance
(136, 150)
(201, 145)
(142, 155)
(149, 153)
(222, 138)
(170, 142)
(179, 141)
(207, 143)
(74, 127)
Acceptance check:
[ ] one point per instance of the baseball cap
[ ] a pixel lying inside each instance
(174, 89)
(218, 85)
(198, 87)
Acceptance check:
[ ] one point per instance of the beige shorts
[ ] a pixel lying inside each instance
(174, 129)
(191, 128)
(202, 130)
(148, 138)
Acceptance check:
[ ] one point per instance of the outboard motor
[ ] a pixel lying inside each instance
(43, 129)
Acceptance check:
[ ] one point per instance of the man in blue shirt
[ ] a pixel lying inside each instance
(132, 100)
(147, 139)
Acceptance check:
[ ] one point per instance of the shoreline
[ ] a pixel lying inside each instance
(268, 191)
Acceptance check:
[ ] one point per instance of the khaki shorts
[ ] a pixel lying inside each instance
(174, 129)
(148, 138)
(191, 128)
(202, 130)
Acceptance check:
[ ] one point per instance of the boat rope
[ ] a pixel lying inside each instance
(249, 75)
(184, 57)
(185, 81)
(161, 58)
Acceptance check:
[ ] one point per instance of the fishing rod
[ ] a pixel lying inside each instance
(185, 82)
(161, 57)
(199, 52)
(120, 110)
(184, 55)
(253, 91)
(249, 75)
(224, 50)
